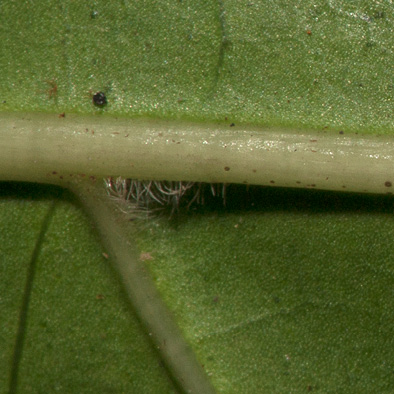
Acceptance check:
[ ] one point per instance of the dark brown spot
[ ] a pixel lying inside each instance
(254, 170)
(341, 132)
(272, 181)
(232, 125)
(99, 99)
(388, 184)
(298, 182)
(54, 172)
(226, 168)
(312, 140)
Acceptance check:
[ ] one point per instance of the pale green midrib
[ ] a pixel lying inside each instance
(46, 148)
(145, 299)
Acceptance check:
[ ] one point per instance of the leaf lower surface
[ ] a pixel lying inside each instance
(275, 300)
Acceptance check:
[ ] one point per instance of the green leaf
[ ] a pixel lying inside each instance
(78, 332)
(315, 64)
(292, 297)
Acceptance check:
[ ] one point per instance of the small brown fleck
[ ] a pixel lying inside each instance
(254, 170)
(298, 182)
(312, 140)
(232, 124)
(341, 132)
(105, 255)
(272, 182)
(99, 297)
(62, 115)
(309, 32)
(54, 172)
(146, 256)
(388, 184)
(226, 168)
(52, 91)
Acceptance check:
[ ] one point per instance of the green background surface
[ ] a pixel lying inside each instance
(294, 296)
(251, 62)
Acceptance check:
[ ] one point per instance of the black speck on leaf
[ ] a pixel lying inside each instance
(99, 99)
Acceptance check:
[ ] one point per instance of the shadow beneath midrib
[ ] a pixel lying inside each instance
(21, 333)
